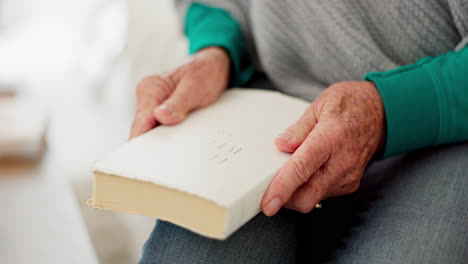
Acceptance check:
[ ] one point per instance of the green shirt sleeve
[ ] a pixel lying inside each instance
(207, 26)
(426, 103)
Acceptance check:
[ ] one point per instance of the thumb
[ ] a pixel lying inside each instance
(175, 108)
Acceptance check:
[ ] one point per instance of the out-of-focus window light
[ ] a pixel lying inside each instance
(47, 44)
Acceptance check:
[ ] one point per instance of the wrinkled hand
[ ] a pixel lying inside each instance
(167, 99)
(332, 143)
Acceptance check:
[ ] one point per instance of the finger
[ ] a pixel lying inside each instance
(151, 91)
(144, 119)
(349, 183)
(293, 137)
(308, 195)
(305, 161)
(142, 124)
(175, 108)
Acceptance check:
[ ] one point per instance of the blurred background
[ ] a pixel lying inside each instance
(68, 70)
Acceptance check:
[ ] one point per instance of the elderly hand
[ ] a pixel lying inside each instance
(332, 143)
(167, 99)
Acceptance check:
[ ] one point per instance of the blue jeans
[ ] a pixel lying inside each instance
(408, 209)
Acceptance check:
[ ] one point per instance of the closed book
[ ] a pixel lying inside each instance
(208, 173)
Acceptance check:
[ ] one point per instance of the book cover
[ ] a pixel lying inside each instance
(207, 174)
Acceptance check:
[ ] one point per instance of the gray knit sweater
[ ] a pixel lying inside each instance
(305, 45)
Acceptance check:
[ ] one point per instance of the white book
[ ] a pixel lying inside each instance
(207, 174)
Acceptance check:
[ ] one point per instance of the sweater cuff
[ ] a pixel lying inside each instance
(411, 107)
(207, 26)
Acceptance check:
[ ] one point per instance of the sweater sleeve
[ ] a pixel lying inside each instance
(425, 103)
(207, 26)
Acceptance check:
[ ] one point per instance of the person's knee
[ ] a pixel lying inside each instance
(267, 239)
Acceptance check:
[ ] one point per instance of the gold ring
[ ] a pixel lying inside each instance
(318, 206)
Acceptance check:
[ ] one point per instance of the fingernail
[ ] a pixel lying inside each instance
(286, 136)
(272, 207)
(166, 108)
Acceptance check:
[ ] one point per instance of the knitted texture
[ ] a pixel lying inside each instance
(305, 45)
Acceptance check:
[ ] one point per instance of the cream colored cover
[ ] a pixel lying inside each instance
(223, 153)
